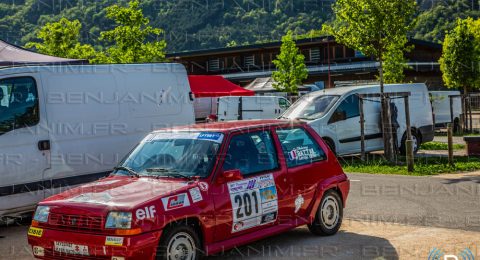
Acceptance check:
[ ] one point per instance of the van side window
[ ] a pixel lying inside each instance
(251, 153)
(283, 103)
(348, 108)
(299, 147)
(18, 103)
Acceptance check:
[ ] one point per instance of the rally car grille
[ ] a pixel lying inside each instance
(75, 222)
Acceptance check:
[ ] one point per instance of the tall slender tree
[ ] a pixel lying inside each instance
(291, 68)
(377, 28)
(461, 56)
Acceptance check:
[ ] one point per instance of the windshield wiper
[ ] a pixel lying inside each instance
(169, 172)
(127, 169)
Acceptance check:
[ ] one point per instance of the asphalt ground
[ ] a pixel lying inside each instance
(386, 217)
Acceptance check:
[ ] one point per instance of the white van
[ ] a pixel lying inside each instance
(250, 107)
(441, 108)
(204, 107)
(66, 125)
(334, 114)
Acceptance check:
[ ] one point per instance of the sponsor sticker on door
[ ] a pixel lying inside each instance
(195, 194)
(176, 201)
(254, 202)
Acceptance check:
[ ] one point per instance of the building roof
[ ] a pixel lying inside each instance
(264, 85)
(12, 55)
(275, 44)
(215, 86)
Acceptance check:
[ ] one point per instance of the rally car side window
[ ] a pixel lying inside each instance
(251, 153)
(299, 147)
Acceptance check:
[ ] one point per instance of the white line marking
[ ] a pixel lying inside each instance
(354, 180)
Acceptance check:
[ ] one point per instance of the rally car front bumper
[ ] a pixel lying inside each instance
(56, 244)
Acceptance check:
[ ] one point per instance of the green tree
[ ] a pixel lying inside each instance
(61, 39)
(377, 28)
(460, 56)
(132, 36)
(291, 68)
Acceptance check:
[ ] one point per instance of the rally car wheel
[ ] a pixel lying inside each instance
(329, 215)
(179, 243)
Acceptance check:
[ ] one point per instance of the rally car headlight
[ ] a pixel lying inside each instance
(119, 220)
(41, 214)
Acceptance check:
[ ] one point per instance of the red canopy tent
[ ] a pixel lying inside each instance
(215, 86)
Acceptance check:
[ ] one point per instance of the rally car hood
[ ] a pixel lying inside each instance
(118, 192)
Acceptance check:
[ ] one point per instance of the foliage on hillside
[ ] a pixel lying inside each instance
(203, 24)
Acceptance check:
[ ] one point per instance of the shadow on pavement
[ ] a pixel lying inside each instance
(467, 178)
(301, 244)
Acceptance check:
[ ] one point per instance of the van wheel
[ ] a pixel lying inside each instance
(179, 242)
(328, 218)
(330, 145)
(416, 143)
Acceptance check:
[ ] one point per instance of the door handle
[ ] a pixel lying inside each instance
(44, 145)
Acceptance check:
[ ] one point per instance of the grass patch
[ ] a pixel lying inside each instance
(423, 166)
(440, 146)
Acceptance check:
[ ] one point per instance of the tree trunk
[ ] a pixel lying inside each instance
(388, 138)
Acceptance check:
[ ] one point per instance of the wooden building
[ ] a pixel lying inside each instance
(327, 61)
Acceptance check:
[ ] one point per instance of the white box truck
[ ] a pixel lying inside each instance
(334, 114)
(66, 125)
(250, 107)
(441, 108)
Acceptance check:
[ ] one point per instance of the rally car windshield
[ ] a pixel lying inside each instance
(178, 155)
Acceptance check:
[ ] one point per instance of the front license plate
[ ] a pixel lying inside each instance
(69, 248)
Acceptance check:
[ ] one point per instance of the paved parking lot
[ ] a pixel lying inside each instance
(387, 217)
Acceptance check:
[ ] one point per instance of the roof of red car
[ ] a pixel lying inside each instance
(236, 125)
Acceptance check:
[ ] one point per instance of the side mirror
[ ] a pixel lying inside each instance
(228, 176)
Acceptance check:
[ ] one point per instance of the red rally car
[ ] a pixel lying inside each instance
(187, 192)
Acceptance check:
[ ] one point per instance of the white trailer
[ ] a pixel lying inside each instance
(250, 107)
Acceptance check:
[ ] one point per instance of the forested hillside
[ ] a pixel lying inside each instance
(200, 24)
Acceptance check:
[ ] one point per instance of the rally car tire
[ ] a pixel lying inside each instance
(179, 242)
(328, 218)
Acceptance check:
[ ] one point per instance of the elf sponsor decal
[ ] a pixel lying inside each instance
(114, 241)
(254, 202)
(302, 153)
(176, 201)
(147, 212)
(195, 194)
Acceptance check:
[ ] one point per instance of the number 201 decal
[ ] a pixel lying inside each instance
(254, 202)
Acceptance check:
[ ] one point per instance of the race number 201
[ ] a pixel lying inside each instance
(254, 202)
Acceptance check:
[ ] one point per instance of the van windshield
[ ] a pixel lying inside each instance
(173, 154)
(310, 109)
